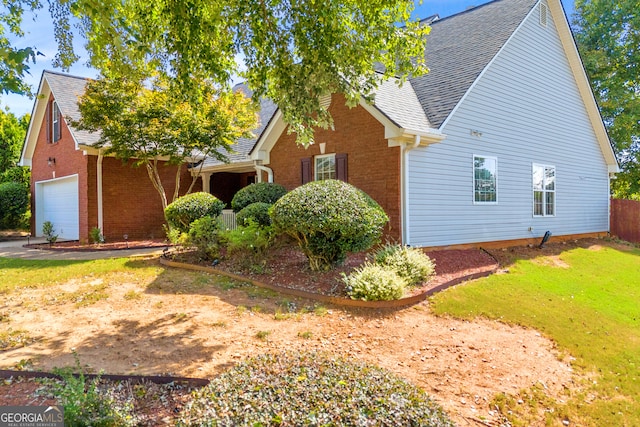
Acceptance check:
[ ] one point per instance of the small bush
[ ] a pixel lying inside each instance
(85, 404)
(49, 232)
(186, 209)
(328, 219)
(14, 202)
(372, 282)
(311, 389)
(204, 236)
(96, 235)
(258, 212)
(249, 245)
(411, 264)
(261, 192)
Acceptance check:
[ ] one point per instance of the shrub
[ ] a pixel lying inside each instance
(312, 389)
(258, 212)
(249, 243)
(411, 264)
(186, 209)
(19, 174)
(328, 219)
(261, 192)
(96, 235)
(372, 282)
(49, 232)
(204, 236)
(85, 404)
(14, 202)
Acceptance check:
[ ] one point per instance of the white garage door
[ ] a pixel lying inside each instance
(58, 203)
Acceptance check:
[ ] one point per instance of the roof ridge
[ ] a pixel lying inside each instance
(467, 10)
(60, 73)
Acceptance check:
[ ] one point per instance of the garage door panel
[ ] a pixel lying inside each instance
(60, 206)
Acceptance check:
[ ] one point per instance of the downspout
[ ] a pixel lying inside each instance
(406, 147)
(99, 185)
(261, 168)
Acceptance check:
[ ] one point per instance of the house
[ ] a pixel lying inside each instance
(74, 185)
(500, 142)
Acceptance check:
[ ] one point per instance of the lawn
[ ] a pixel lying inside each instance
(587, 300)
(137, 317)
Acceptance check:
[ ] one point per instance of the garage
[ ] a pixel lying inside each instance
(57, 201)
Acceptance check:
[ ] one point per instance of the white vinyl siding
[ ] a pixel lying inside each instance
(527, 110)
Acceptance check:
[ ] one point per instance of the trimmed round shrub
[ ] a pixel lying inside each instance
(14, 202)
(372, 282)
(311, 389)
(328, 219)
(204, 236)
(263, 192)
(411, 264)
(186, 209)
(258, 212)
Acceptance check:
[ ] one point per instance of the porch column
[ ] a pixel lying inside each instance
(206, 182)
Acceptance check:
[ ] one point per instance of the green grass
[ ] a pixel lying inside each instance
(590, 308)
(21, 273)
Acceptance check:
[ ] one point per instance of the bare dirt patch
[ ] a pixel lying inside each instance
(198, 325)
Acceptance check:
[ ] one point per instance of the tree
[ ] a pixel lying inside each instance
(12, 133)
(14, 62)
(145, 120)
(294, 51)
(608, 36)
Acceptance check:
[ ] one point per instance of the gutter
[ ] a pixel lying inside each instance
(404, 166)
(261, 168)
(99, 185)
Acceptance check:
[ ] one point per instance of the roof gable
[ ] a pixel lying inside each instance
(459, 48)
(65, 90)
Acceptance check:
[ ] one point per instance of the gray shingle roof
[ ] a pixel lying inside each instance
(459, 48)
(66, 90)
(401, 105)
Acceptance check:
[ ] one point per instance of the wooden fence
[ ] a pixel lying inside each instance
(625, 219)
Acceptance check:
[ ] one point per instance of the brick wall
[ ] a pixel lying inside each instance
(68, 161)
(372, 165)
(131, 205)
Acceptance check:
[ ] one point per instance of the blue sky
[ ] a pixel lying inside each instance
(39, 33)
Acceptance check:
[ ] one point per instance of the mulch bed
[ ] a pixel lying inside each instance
(287, 267)
(76, 246)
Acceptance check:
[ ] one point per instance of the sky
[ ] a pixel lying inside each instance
(39, 33)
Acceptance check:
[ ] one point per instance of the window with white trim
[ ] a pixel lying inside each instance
(55, 122)
(544, 190)
(485, 184)
(325, 167)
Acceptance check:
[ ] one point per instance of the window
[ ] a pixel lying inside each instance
(325, 167)
(55, 122)
(485, 186)
(544, 190)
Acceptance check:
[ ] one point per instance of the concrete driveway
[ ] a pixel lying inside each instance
(16, 249)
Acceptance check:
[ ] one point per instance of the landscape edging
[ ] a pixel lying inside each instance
(403, 302)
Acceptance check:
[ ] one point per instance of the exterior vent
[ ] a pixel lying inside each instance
(543, 15)
(325, 101)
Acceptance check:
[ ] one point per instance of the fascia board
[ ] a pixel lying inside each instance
(584, 88)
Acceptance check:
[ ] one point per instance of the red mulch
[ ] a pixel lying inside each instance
(288, 267)
(77, 246)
